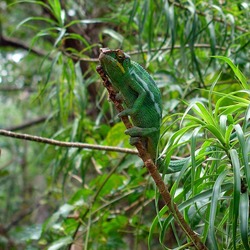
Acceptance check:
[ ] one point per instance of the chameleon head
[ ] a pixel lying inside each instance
(115, 63)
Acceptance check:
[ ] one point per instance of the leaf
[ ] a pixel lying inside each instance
(60, 36)
(236, 193)
(65, 209)
(245, 152)
(35, 19)
(236, 71)
(204, 113)
(213, 208)
(114, 35)
(58, 13)
(88, 21)
(244, 219)
(59, 244)
(32, 1)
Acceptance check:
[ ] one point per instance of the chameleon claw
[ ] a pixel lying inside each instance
(134, 140)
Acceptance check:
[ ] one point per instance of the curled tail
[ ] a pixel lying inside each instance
(177, 165)
(173, 166)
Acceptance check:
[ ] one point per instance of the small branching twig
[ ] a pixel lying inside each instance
(145, 156)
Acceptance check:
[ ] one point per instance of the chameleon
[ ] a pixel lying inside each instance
(142, 100)
(140, 95)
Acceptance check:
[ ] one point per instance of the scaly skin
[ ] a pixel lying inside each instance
(140, 94)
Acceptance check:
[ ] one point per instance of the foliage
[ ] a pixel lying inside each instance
(54, 197)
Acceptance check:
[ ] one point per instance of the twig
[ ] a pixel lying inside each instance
(28, 124)
(44, 140)
(196, 46)
(12, 89)
(144, 155)
(16, 43)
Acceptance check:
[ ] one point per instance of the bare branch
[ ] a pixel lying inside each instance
(12, 89)
(196, 46)
(16, 43)
(28, 124)
(44, 140)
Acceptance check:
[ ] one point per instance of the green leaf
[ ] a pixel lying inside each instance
(58, 13)
(60, 36)
(62, 242)
(65, 209)
(216, 194)
(46, 6)
(114, 35)
(35, 19)
(244, 219)
(236, 71)
(203, 112)
(236, 192)
(245, 152)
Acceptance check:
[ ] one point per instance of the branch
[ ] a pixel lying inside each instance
(196, 46)
(65, 144)
(28, 124)
(12, 89)
(16, 43)
(145, 156)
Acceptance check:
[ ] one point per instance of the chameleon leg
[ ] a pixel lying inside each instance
(145, 135)
(140, 132)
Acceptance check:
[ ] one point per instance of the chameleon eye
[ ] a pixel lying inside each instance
(120, 55)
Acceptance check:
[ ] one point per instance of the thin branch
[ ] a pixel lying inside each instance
(21, 216)
(196, 46)
(12, 89)
(149, 164)
(44, 140)
(28, 124)
(16, 43)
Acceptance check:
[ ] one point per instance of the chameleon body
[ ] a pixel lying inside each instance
(140, 94)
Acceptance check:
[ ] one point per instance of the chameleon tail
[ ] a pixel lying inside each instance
(177, 165)
(173, 166)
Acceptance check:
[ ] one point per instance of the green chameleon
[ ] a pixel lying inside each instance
(142, 99)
